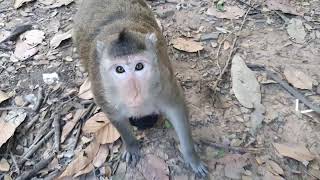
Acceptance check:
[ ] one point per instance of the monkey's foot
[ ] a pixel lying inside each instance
(131, 156)
(199, 168)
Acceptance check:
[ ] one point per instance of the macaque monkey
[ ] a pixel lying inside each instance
(122, 48)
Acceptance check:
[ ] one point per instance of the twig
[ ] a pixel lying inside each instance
(14, 160)
(34, 147)
(57, 132)
(77, 136)
(30, 124)
(293, 91)
(43, 130)
(214, 87)
(14, 108)
(42, 164)
(39, 100)
(229, 148)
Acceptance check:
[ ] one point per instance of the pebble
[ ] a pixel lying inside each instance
(210, 36)
(164, 13)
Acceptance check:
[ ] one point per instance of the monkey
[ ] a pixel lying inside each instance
(125, 54)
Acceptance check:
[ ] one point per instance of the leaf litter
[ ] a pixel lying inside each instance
(298, 78)
(294, 151)
(187, 45)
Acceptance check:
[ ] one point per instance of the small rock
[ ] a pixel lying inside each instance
(164, 13)
(214, 44)
(68, 59)
(210, 36)
(4, 165)
(50, 78)
(19, 101)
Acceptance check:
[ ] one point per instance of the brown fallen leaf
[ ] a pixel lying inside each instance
(19, 3)
(86, 170)
(298, 78)
(3, 96)
(67, 128)
(101, 156)
(95, 123)
(59, 3)
(274, 168)
(85, 90)
(8, 125)
(83, 159)
(231, 12)
(4, 165)
(154, 168)
(226, 45)
(234, 164)
(107, 134)
(269, 176)
(187, 45)
(26, 45)
(282, 5)
(295, 151)
(58, 38)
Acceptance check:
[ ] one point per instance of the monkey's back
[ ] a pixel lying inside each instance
(96, 17)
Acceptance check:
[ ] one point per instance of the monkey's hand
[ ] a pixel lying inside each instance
(132, 153)
(197, 165)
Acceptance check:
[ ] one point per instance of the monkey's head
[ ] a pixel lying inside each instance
(129, 67)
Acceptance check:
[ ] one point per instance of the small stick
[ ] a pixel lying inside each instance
(40, 165)
(74, 146)
(14, 108)
(57, 132)
(43, 130)
(229, 148)
(14, 160)
(34, 147)
(31, 123)
(214, 87)
(293, 91)
(39, 100)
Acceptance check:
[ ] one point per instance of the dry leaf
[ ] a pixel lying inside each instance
(95, 123)
(295, 151)
(23, 51)
(234, 164)
(274, 168)
(70, 124)
(231, 12)
(226, 45)
(33, 37)
(244, 83)
(4, 165)
(298, 78)
(282, 5)
(86, 170)
(85, 90)
(154, 168)
(296, 30)
(101, 156)
(3, 96)
(107, 134)
(187, 45)
(58, 38)
(84, 158)
(8, 125)
(59, 3)
(18, 3)
(269, 176)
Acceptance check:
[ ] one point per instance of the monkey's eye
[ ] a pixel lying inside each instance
(120, 69)
(139, 67)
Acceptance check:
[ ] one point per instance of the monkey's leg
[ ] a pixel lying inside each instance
(178, 116)
(132, 152)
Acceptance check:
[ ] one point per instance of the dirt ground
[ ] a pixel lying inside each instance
(286, 145)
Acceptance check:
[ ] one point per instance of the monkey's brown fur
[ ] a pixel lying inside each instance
(122, 27)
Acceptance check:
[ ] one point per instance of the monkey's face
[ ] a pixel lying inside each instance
(130, 78)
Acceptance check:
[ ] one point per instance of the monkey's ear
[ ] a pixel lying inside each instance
(151, 40)
(100, 47)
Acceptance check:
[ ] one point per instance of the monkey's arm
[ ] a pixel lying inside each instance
(177, 114)
(132, 152)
